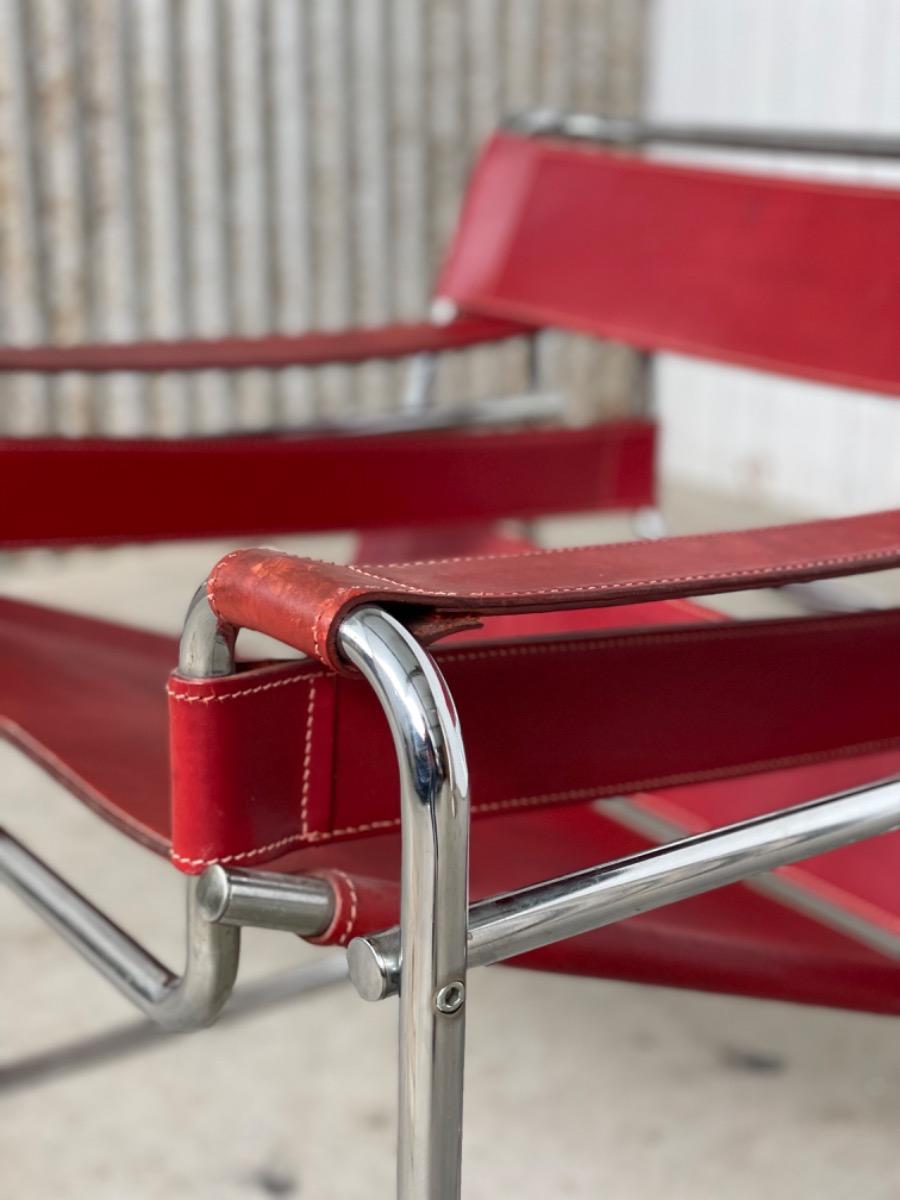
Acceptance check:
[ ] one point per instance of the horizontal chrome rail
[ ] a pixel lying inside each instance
(517, 922)
(619, 131)
(301, 904)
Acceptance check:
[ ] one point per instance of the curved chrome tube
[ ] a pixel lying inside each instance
(189, 1001)
(434, 798)
(206, 649)
(219, 902)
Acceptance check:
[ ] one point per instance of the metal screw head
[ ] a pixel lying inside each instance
(450, 998)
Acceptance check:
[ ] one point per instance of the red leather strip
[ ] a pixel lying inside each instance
(295, 350)
(85, 699)
(59, 491)
(785, 275)
(301, 602)
(285, 756)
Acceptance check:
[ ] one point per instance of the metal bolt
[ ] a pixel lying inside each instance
(450, 998)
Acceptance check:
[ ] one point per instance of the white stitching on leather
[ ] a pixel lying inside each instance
(354, 906)
(213, 580)
(251, 691)
(623, 586)
(242, 856)
(575, 794)
(683, 540)
(307, 758)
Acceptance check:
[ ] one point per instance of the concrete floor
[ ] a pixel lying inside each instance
(575, 1088)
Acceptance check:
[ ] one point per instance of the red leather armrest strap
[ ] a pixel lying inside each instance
(301, 601)
(281, 350)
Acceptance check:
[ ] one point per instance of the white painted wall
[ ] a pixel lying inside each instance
(808, 64)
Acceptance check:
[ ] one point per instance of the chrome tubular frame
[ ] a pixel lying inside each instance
(517, 922)
(218, 903)
(629, 133)
(648, 522)
(175, 1003)
(434, 798)
(439, 936)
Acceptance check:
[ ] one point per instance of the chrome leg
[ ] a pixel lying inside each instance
(418, 395)
(434, 797)
(189, 1001)
(218, 904)
(648, 523)
(113, 1044)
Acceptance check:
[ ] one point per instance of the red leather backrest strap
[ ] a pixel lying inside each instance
(66, 491)
(785, 275)
(278, 350)
(301, 601)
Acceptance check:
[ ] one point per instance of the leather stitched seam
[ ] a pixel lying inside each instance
(214, 579)
(574, 794)
(354, 906)
(251, 691)
(730, 630)
(307, 758)
(684, 540)
(242, 855)
(621, 586)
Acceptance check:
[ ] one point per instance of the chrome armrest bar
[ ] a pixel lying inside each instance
(629, 133)
(516, 922)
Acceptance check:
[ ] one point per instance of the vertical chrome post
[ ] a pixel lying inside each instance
(434, 798)
(648, 522)
(534, 362)
(418, 394)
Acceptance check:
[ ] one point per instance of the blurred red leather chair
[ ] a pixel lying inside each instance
(594, 711)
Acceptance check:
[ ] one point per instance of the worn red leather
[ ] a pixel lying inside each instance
(125, 490)
(786, 275)
(290, 755)
(86, 700)
(279, 350)
(301, 601)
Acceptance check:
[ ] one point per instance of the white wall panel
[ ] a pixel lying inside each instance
(810, 64)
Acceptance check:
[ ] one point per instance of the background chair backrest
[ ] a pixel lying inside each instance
(784, 275)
